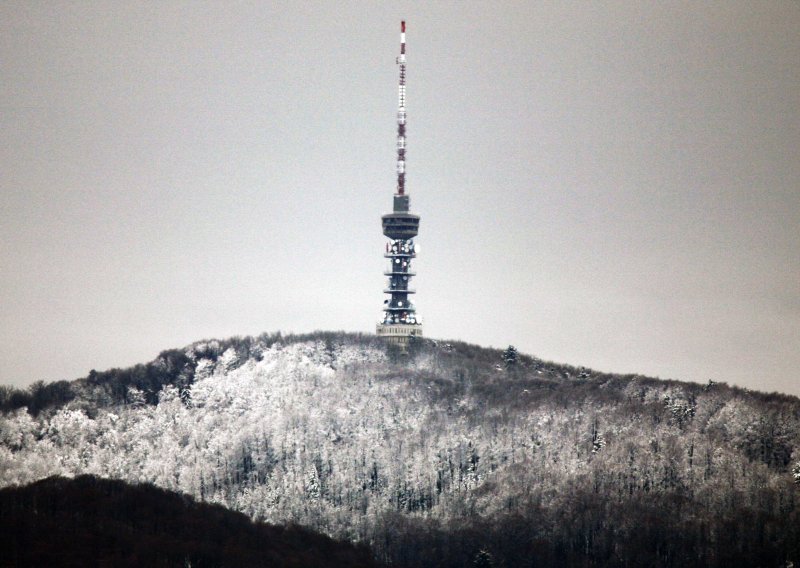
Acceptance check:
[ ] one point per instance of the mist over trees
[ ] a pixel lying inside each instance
(449, 456)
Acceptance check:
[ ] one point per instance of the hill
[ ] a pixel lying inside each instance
(448, 456)
(88, 521)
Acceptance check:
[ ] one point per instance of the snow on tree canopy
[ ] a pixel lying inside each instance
(336, 435)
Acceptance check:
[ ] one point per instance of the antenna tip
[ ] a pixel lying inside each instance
(403, 26)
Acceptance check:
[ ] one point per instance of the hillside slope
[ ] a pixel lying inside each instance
(439, 458)
(95, 522)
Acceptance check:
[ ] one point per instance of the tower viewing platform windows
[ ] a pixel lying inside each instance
(400, 226)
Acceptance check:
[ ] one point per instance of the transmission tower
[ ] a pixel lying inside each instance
(399, 320)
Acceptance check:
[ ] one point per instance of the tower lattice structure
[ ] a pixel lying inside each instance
(399, 319)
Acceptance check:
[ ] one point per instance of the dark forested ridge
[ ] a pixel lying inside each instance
(453, 455)
(89, 521)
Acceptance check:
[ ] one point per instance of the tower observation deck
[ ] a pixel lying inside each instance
(399, 320)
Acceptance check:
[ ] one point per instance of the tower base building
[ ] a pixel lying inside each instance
(399, 334)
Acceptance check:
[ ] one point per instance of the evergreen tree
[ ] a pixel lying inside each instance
(510, 357)
(483, 560)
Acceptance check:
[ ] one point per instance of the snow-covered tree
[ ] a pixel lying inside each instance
(510, 357)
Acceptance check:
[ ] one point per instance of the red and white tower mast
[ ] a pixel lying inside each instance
(401, 114)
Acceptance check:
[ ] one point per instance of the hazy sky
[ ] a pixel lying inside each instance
(615, 185)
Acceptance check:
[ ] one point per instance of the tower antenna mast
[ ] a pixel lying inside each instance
(401, 114)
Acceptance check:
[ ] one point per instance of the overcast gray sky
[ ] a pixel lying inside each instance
(615, 185)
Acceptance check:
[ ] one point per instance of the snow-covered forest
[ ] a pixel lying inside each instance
(448, 454)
